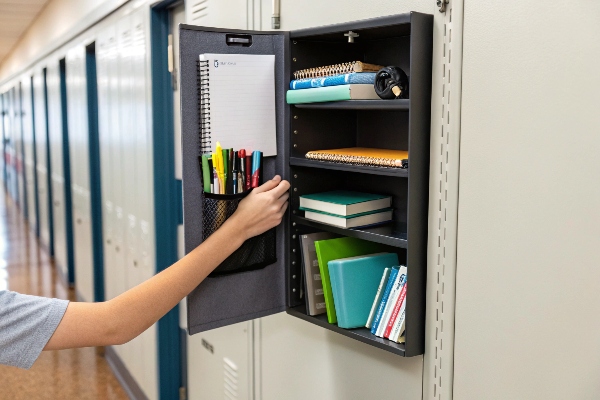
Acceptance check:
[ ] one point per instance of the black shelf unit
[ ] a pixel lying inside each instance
(404, 40)
(361, 334)
(400, 104)
(385, 234)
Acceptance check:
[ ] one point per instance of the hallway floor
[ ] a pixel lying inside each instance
(65, 374)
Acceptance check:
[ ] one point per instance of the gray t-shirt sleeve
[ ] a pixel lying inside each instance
(26, 325)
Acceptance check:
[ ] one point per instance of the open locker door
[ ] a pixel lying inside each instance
(228, 299)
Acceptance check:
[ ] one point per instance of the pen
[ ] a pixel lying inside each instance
(255, 168)
(211, 175)
(217, 187)
(205, 173)
(231, 166)
(260, 168)
(242, 170)
(225, 155)
(248, 172)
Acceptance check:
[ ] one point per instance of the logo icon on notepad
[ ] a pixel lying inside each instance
(216, 63)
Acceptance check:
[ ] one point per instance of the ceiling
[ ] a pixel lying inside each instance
(15, 18)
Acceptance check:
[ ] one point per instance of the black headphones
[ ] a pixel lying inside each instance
(391, 83)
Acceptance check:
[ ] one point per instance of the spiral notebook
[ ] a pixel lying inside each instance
(237, 102)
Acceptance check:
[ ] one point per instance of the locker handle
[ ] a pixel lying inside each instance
(56, 203)
(108, 241)
(238, 40)
(79, 220)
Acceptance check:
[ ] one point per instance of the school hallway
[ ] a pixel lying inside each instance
(26, 267)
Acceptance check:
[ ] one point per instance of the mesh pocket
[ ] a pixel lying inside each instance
(255, 253)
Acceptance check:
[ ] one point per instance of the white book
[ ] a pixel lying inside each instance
(389, 307)
(398, 327)
(350, 222)
(378, 296)
(238, 100)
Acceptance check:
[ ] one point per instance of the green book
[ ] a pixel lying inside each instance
(335, 249)
(332, 93)
(344, 202)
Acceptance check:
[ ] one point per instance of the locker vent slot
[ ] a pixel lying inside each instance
(230, 379)
(199, 11)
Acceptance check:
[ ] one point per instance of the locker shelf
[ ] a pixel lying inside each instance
(303, 162)
(395, 105)
(385, 234)
(361, 334)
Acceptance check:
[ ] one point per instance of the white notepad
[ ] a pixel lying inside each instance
(239, 101)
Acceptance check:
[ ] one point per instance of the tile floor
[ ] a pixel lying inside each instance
(66, 374)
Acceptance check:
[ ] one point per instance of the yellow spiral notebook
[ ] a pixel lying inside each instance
(362, 156)
(337, 69)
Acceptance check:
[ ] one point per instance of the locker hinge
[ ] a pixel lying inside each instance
(171, 63)
(442, 4)
(182, 393)
(275, 17)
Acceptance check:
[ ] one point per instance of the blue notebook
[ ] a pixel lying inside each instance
(346, 79)
(354, 283)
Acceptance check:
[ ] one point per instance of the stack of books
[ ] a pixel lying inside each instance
(347, 209)
(356, 282)
(388, 312)
(348, 81)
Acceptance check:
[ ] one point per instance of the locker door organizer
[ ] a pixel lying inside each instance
(404, 40)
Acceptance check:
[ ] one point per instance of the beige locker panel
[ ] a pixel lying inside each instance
(310, 13)
(220, 363)
(528, 240)
(217, 13)
(302, 361)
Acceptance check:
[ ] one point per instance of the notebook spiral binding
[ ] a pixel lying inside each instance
(204, 107)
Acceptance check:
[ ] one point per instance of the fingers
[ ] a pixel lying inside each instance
(280, 189)
(280, 201)
(268, 185)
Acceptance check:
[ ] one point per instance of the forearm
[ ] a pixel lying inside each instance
(137, 309)
(121, 319)
(129, 314)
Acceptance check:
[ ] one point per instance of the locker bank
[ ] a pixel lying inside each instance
(108, 108)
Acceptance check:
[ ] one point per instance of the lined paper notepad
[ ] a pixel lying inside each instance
(238, 102)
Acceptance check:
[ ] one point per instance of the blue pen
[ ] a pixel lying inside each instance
(255, 168)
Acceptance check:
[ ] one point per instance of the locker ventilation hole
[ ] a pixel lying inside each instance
(230, 379)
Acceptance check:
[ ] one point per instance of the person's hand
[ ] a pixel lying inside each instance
(262, 209)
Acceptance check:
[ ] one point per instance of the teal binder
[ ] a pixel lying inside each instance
(354, 283)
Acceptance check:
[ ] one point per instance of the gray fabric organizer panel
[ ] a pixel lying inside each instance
(229, 299)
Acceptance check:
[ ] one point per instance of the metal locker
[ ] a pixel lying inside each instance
(105, 45)
(39, 105)
(28, 147)
(223, 363)
(58, 180)
(79, 149)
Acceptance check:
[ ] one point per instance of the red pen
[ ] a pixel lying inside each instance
(248, 173)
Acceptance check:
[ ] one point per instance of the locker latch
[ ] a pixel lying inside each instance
(442, 4)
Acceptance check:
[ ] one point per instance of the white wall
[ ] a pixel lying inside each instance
(527, 277)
